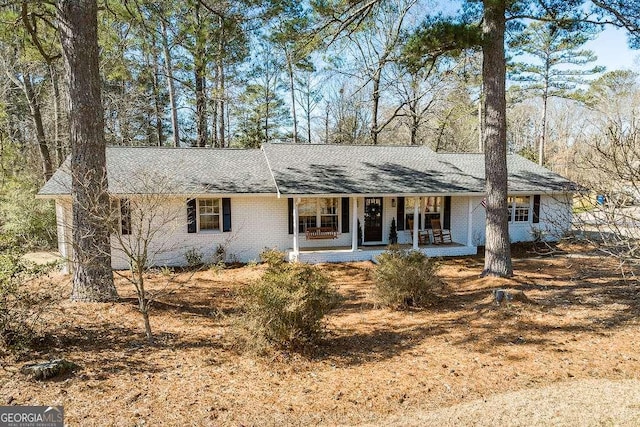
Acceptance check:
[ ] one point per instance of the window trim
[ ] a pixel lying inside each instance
(219, 215)
(319, 215)
(423, 216)
(512, 207)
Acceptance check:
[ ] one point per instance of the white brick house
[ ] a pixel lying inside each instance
(247, 200)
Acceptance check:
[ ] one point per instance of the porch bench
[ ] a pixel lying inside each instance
(314, 233)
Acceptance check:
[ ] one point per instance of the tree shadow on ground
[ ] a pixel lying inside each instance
(558, 294)
(351, 347)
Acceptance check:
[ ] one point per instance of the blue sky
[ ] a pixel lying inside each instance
(613, 52)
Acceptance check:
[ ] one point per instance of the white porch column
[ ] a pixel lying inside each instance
(354, 224)
(296, 234)
(470, 223)
(416, 212)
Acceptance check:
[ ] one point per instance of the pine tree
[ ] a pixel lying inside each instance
(551, 48)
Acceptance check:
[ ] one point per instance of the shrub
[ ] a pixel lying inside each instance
(20, 310)
(406, 278)
(285, 308)
(193, 257)
(24, 220)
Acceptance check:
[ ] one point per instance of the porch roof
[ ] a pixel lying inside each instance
(366, 169)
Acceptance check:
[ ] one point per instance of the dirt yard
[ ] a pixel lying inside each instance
(568, 357)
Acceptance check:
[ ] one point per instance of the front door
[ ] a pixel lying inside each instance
(373, 219)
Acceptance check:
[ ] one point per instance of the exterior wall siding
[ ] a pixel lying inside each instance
(256, 223)
(260, 222)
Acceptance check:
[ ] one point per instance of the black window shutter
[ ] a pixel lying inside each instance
(400, 214)
(536, 209)
(446, 221)
(345, 215)
(290, 215)
(191, 216)
(419, 219)
(226, 214)
(125, 216)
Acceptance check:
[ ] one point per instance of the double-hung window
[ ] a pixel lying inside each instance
(431, 206)
(328, 213)
(409, 206)
(519, 208)
(432, 209)
(320, 212)
(307, 214)
(208, 214)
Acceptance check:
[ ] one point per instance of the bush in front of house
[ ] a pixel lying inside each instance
(285, 307)
(21, 310)
(405, 278)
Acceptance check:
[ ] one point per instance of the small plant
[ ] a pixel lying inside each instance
(406, 278)
(217, 267)
(285, 308)
(194, 257)
(393, 233)
(220, 255)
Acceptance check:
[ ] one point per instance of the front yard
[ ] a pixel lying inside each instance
(375, 366)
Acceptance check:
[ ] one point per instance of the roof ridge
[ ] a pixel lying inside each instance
(266, 157)
(155, 147)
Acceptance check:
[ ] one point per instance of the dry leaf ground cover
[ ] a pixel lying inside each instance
(570, 356)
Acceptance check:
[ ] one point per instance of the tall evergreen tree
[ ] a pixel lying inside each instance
(92, 275)
(549, 48)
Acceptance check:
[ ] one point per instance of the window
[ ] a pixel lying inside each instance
(519, 208)
(307, 211)
(409, 204)
(312, 212)
(125, 217)
(328, 213)
(432, 209)
(208, 214)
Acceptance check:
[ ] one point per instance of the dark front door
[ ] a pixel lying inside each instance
(373, 219)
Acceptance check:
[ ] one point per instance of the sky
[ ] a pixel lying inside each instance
(613, 52)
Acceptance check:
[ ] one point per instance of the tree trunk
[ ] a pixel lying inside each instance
(157, 102)
(375, 102)
(36, 116)
(326, 124)
(199, 70)
(498, 248)
(293, 95)
(92, 275)
(168, 65)
(543, 133)
(215, 101)
(57, 143)
(480, 135)
(221, 85)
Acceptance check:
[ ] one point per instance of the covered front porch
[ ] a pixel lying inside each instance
(359, 227)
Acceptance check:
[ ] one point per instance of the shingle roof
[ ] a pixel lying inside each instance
(309, 169)
(177, 171)
(362, 169)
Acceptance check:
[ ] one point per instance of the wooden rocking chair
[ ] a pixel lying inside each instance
(440, 236)
(423, 235)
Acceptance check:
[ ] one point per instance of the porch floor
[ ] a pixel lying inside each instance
(369, 253)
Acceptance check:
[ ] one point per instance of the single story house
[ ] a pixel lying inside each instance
(310, 200)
